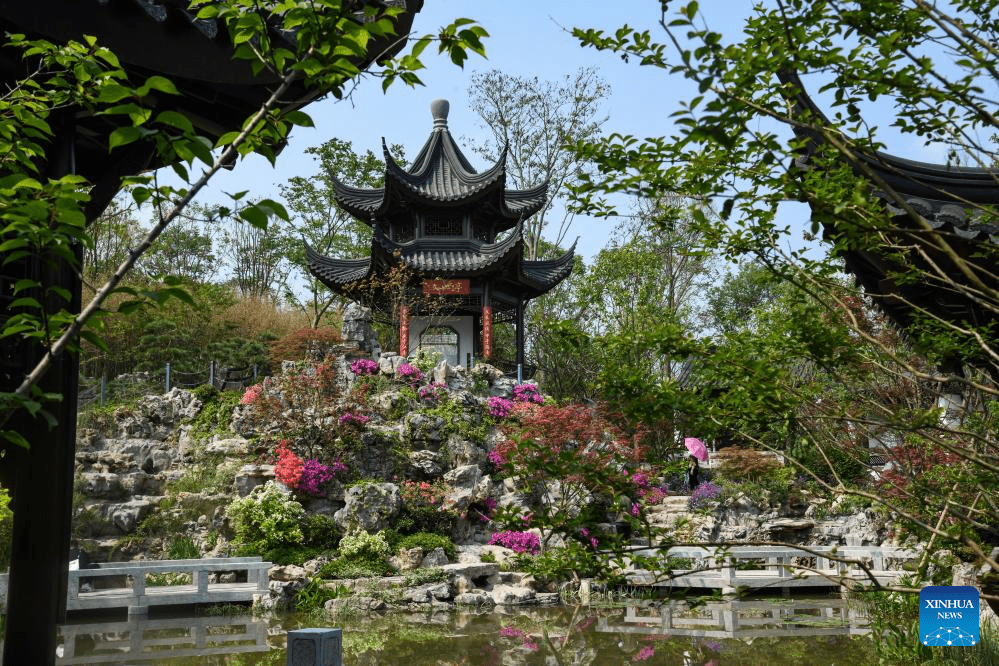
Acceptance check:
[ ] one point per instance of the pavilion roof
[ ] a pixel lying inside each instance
(441, 176)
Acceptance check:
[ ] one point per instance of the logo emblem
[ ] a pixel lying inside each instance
(948, 615)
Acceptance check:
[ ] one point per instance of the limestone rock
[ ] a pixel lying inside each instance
(287, 573)
(250, 476)
(427, 593)
(127, 516)
(426, 464)
(510, 595)
(407, 559)
(369, 507)
(352, 603)
(435, 558)
(474, 599)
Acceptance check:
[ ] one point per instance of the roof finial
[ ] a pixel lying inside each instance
(439, 109)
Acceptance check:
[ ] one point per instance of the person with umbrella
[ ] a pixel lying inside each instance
(698, 453)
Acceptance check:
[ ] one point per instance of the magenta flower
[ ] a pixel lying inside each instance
(363, 366)
(518, 542)
(527, 393)
(644, 653)
(499, 407)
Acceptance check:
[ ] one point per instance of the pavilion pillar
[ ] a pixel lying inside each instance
(404, 330)
(40, 478)
(520, 339)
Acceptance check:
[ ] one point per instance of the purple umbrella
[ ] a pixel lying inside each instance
(696, 448)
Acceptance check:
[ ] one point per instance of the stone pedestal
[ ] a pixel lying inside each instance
(315, 647)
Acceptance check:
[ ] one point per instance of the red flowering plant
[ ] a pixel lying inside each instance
(307, 477)
(574, 460)
(425, 508)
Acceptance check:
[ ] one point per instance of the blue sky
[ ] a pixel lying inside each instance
(526, 38)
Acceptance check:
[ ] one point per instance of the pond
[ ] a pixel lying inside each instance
(761, 632)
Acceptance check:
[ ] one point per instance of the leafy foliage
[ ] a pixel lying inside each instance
(266, 518)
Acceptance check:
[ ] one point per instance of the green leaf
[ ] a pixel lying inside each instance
(123, 136)
(174, 119)
(162, 84)
(255, 216)
(113, 92)
(15, 438)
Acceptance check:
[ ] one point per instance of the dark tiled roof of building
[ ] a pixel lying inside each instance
(441, 174)
(336, 272)
(456, 257)
(959, 203)
(547, 273)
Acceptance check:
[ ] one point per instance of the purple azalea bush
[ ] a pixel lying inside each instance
(347, 418)
(527, 393)
(409, 373)
(315, 475)
(364, 366)
(499, 407)
(518, 542)
(703, 495)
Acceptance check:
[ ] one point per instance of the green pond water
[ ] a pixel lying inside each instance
(754, 632)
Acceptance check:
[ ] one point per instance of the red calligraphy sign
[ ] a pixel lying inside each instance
(487, 331)
(404, 330)
(442, 287)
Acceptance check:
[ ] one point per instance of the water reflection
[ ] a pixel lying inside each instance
(147, 639)
(776, 632)
(742, 620)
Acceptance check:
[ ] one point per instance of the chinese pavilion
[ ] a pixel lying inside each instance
(456, 238)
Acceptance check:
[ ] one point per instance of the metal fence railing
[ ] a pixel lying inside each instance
(102, 390)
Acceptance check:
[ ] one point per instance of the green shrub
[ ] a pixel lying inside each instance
(356, 567)
(316, 593)
(183, 548)
(556, 565)
(215, 414)
(429, 541)
(424, 576)
(283, 554)
(6, 528)
(488, 557)
(211, 475)
(319, 531)
(267, 518)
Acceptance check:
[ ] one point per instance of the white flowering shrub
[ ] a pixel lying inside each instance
(362, 544)
(266, 518)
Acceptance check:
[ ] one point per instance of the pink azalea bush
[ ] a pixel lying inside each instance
(364, 366)
(433, 392)
(252, 394)
(518, 542)
(527, 393)
(499, 407)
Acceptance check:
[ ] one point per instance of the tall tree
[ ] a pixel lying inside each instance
(113, 232)
(535, 120)
(319, 221)
(186, 249)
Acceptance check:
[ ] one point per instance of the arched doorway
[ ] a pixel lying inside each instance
(443, 340)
